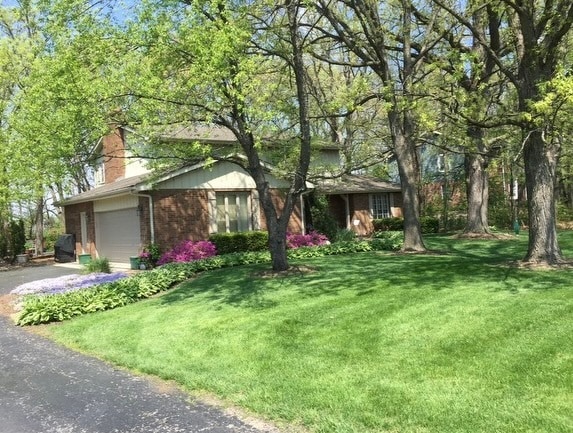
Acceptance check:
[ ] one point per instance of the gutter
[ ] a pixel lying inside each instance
(151, 216)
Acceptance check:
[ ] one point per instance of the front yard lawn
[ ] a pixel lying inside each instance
(369, 342)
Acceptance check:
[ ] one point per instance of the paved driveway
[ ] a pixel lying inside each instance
(11, 279)
(45, 388)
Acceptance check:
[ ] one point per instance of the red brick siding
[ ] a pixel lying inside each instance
(73, 225)
(359, 208)
(295, 222)
(179, 215)
(114, 156)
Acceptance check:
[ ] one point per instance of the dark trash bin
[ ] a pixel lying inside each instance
(65, 249)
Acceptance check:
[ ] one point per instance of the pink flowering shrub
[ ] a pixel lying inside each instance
(188, 251)
(309, 240)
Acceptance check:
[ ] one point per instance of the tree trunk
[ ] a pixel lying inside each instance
(39, 232)
(409, 170)
(277, 220)
(477, 184)
(540, 161)
(277, 246)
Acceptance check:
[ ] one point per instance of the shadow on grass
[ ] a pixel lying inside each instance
(232, 286)
(457, 265)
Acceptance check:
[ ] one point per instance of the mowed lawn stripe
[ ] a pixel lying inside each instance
(454, 341)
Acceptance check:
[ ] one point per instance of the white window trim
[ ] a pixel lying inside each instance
(99, 175)
(253, 217)
(388, 198)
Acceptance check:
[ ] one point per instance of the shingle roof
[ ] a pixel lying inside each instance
(353, 184)
(118, 187)
(205, 133)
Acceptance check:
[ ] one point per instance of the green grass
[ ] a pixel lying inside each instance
(370, 342)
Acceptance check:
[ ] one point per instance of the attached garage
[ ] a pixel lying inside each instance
(118, 234)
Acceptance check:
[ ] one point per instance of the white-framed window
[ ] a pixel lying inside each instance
(380, 206)
(233, 212)
(99, 174)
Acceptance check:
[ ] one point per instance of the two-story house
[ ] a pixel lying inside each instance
(129, 207)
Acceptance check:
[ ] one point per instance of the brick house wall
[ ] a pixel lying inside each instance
(184, 214)
(396, 204)
(359, 208)
(178, 214)
(73, 225)
(295, 223)
(114, 156)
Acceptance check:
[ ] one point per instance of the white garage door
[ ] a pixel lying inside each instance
(118, 234)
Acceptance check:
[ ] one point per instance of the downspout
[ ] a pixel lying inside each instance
(151, 217)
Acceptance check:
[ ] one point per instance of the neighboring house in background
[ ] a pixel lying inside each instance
(129, 207)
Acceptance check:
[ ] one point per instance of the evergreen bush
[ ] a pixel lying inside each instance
(17, 237)
(239, 242)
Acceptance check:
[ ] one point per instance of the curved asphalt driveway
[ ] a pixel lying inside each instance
(45, 388)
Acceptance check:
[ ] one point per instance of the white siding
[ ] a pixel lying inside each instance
(134, 166)
(116, 203)
(221, 176)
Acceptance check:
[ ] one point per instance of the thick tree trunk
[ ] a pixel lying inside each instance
(277, 246)
(409, 170)
(540, 162)
(477, 184)
(277, 215)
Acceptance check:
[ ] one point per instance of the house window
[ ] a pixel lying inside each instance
(233, 212)
(99, 172)
(380, 206)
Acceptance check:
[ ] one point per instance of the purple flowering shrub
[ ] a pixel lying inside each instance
(309, 240)
(188, 251)
(67, 283)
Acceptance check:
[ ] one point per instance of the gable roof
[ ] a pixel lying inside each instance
(355, 184)
(119, 187)
(145, 182)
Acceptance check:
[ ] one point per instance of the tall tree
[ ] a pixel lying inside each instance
(388, 39)
(539, 31)
(478, 77)
(231, 64)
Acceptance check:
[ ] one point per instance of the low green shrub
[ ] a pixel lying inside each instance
(97, 265)
(322, 219)
(430, 224)
(388, 240)
(344, 235)
(51, 308)
(388, 224)
(239, 242)
(150, 255)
